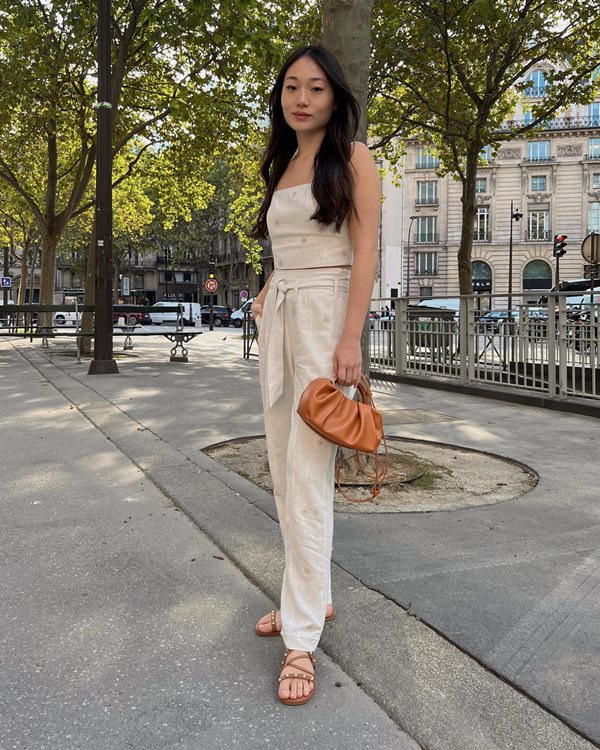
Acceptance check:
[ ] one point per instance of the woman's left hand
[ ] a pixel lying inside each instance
(347, 361)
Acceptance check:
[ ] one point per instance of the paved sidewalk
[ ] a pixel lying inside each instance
(122, 625)
(504, 649)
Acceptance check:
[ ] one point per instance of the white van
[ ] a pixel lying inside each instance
(191, 313)
(237, 317)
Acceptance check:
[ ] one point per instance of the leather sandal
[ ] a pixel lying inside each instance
(306, 676)
(274, 632)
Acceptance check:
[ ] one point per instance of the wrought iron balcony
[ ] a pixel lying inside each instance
(538, 159)
(536, 91)
(427, 163)
(593, 157)
(427, 201)
(427, 238)
(556, 123)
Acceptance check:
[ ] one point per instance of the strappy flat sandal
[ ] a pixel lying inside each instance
(306, 676)
(274, 632)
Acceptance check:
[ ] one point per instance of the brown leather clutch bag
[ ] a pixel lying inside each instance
(355, 424)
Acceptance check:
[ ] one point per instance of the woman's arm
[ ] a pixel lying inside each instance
(364, 232)
(256, 307)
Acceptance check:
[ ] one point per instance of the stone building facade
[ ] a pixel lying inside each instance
(551, 178)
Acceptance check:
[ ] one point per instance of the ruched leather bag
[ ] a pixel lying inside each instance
(341, 420)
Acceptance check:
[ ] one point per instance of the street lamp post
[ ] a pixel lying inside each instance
(515, 215)
(412, 218)
(103, 362)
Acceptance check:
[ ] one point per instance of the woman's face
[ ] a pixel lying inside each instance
(307, 98)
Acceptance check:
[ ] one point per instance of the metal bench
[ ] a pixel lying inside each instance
(22, 321)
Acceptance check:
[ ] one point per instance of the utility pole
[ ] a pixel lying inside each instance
(515, 215)
(103, 362)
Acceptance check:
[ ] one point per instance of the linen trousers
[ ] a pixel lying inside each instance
(302, 321)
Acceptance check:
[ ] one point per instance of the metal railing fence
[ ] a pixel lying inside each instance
(551, 349)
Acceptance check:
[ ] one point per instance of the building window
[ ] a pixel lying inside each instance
(538, 150)
(527, 116)
(482, 224)
(481, 273)
(536, 83)
(596, 181)
(594, 114)
(594, 148)
(538, 225)
(486, 154)
(427, 192)
(481, 185)
(538, 183)
(168, 275)
(425, 292)
(426, 264)
(426, 160)
(59, 279)
(594, 217)
(537, 274)
(426, 230)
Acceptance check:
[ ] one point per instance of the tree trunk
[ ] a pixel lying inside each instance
(34, 256)
(465, 277)
(23, 285)
(87, 321)
(24, 269)
(47, 282)
(347, 32)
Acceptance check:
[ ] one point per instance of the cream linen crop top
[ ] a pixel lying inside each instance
(298, 241)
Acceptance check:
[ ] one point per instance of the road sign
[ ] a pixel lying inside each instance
(591, 271)
(590, 248)
(211, 285)
(6, 282)
(243, 296)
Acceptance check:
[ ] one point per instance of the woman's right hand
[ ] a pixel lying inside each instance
(256, 309)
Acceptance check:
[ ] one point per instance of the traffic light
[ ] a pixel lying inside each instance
(560, 241)
(211, 269)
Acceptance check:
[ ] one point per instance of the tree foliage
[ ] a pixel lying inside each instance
(188, 78)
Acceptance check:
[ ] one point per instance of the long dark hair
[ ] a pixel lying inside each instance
(332, 183)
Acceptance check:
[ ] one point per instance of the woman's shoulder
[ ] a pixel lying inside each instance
(362, 160)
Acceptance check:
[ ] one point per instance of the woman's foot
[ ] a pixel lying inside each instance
(270, 625)
(297, 678)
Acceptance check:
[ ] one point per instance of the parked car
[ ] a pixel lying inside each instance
(65, 318)
(373, 316)
(191, 313)
(237, 316)
(220, 315)
(137, 317)
(493, 320)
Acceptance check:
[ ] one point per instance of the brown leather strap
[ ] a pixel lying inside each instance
(297, 675)
(377, 476)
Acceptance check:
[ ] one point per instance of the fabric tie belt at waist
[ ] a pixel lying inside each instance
(273, 312)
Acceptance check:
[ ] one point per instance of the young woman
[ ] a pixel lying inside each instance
(321, 212)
